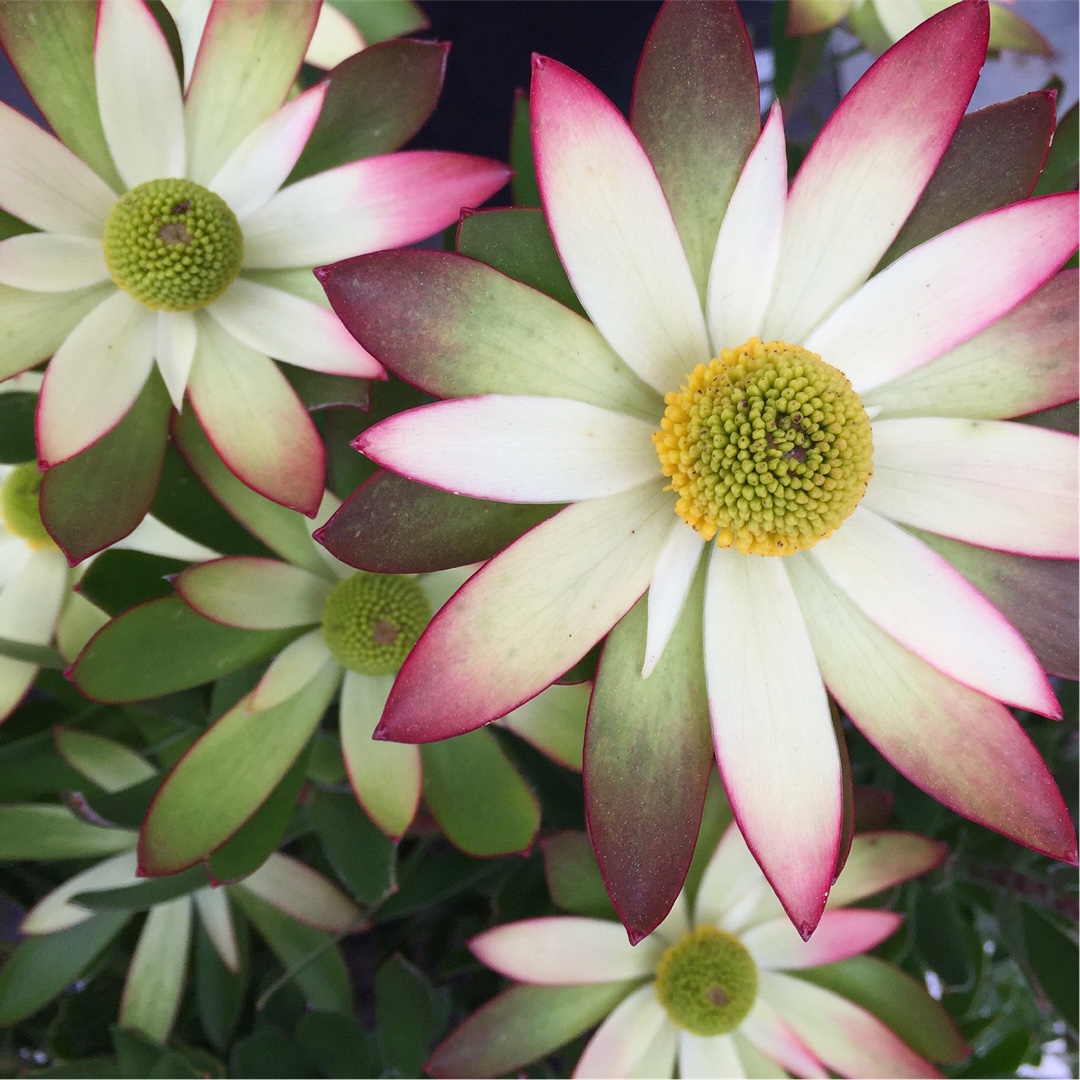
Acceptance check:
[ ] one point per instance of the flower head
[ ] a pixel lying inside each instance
(716, 990)
(185, 248)
(764, 428)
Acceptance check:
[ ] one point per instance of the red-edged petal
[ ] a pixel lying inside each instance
(840, 934)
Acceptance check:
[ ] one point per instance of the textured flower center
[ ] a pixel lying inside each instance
(707, 982)
(19, 505)
(173, 245)
(371, 621)
(768, 448)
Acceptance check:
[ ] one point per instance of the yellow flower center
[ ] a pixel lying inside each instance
(707, 982)
(173, 245)
(371, 621)
(19, 506)
(768, 448)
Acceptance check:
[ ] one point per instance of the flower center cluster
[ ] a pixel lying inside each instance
(173, 245)
(19, 506)
(768, 448)
(371, 621)
(707, 982)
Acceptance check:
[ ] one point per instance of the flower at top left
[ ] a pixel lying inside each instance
(167, 234)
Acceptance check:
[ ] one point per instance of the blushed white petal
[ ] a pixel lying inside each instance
(517, 449)
(289, 328)
(772, 729)
(177, 336)
(714, 1056)
(768, 1034)
(565, 951)
(45, 184)
(303, 893)
(840, 934)
(744, 263)
(613, 228)
(156, 538)
(54, 911)
(94, 377)
(51, 262)
(916, 596)
(139, 97)
(672, 577)
(637, 1040)
(989, 482)
(262, 162)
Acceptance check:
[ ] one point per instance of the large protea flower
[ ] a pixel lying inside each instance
(174, 240)
(724, 987)
(787, 436)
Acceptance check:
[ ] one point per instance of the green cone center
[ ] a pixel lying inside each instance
(19, 505)
(173, 245)
(769, 449)
(371, 621)
(707, 982)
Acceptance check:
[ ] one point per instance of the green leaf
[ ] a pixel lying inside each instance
(318, 390)
(136, 1053)
(428, 878)
(573, 878)
(521, 1025)
(99, 496)
(226, 776)
(219, 992)
(1060, 171)
(378, 99)
(310, 958)
(648, 754)
(109, 764)
(523, 186)
(380, 20)
(266, 1053)
(947, 941)
(30, 768)
(337, 1044)
(163, 646)
(362, 856)
(12, 226)
(392, 525)
(17, 410)
(1054, 957)
(119, 579)
(516, 242)
(41, 967)
(29, 831)
(283, 531)
(409, 1014)
(43, 655)
(250, 846)
(127, 807)
(52, 48)
(897, 1000)
(1003, 1058)
(477, 797)
(95, 1068)
(146, 893)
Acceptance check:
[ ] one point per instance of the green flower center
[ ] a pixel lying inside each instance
(768, 448)
(173, 245)
(707, 982)
(371, 621)
(19, 505)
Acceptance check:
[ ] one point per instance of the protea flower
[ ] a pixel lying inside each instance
(780, 482)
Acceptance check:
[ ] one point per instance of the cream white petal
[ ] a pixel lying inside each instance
(707, 1057)
(672, 577)
(336, 38)
(177, 335)
(156, 538)
(51, 262)
(30, 604)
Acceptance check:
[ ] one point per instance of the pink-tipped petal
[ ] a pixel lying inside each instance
(94, 378)
(772, 730)
(670, 585)
(528, 615)
(946, 290)
(142, 112)
(868, 167)
(45, 184)
(744, 263)
(51, 262)
(292, 329)
(636, 1040)
(262, 162)
(379, 202)
(255, 421)
(516, 449)
(913, 594)
(303, 893)
(990, 483)
(564, 951)
(768, 1034)
(177, 336)
(613, 228)
(385, 776)
(840, 934)
(961, 747)
(848, 1039)
(880, 860)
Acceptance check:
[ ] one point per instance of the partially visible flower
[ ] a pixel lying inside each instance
(191, 255)
(718, 991)
(879, 23)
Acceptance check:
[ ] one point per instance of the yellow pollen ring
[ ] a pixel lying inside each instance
(768, 448)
